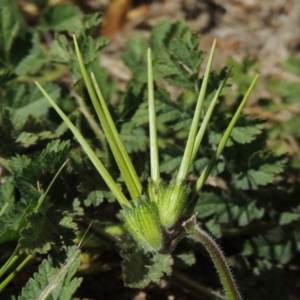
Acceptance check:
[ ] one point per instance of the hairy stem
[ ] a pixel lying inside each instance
(226, 278)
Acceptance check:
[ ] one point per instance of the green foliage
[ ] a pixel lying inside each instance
(54, 279)
(64, 17)
(145, 269)
(262, 168)
(253, 209)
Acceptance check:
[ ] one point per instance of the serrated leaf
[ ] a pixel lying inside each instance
(276, 246)
(54, 281)
(246, 129)
(134, 54)
(13, 221)
(44, 230)
(159, 34)
(289, 217)
(131, 102)
(263, 167)
(91, 23)
(228, 208)
(186, 51)
(63, 17)
(90, 48)
(185, 260)
(30, 175)
(164, 32)
(53, 156)
(161, 266)
(94, 198)
(34, 61)
(139, 269)
(180, 61)
(27, 139)
(59, 50)
(134, 139)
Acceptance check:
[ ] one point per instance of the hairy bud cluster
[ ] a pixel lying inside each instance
(143, 223)
(149, 221)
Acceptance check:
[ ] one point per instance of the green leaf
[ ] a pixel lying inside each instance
(262, 168)
(90, 48)
(134, 56)
(236, 206)
(246, 130)
(181, 60)
(290, 216)
(63, 17)
(159, 34)
(139, 269)
(164, 32)
(9, 28)
(54, 281)
(13, 221)
(134, 139)
(34, 61)
(29, 175)
(10, 128)
(276, 246)
(31, 102)
(94, 198)
(26, 139)
(44, 230)
(185, 260)
(60, 50)
(91, 23)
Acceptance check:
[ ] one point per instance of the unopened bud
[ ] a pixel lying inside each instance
(172, 203)
(143, 223)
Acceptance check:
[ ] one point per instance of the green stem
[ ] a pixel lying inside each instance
(226, 278)
(224, 139)
(43, 197)
(93, 124)
(9, 278)
(89, 152)
(121, 156)
(86, 112)
(13, 258)
(207, 118)
(155, 175)
(186, 160)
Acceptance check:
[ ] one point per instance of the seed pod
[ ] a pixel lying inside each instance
(172, 203)
(143, 223)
